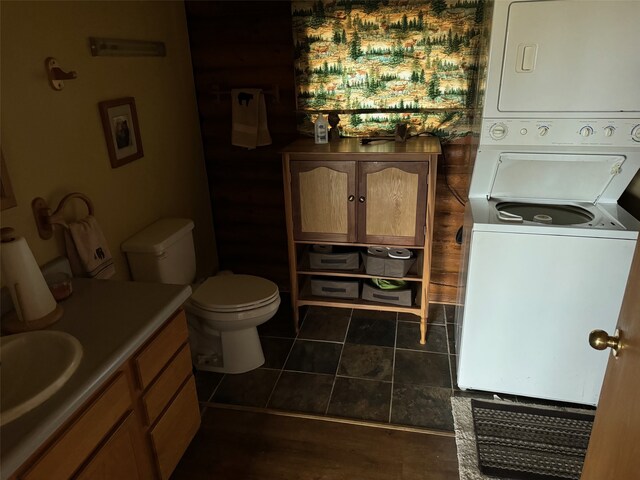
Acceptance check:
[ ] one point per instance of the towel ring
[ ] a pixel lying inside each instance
(45, 220)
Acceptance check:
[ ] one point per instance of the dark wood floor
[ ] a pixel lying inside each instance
(236, 444)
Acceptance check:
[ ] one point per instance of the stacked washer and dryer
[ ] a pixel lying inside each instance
(547, 249)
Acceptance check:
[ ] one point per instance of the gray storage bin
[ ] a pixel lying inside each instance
(338, 288)
(401, 296)
(334, 261)
(386, 266)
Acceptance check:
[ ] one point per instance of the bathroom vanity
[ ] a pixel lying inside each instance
(130, 410)
(349, 196)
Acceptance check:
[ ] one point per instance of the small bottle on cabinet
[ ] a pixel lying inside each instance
(321, 129)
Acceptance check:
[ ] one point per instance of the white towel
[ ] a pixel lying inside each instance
(87, 249)
(249, 118)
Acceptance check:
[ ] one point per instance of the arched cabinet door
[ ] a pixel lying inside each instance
(324, 200)
(392, 202)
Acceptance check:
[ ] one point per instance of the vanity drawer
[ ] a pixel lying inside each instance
(161, 348)
(165, 387)
(75, 445)
(175, 429)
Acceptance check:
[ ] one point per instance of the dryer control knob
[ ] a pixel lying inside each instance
(635, 133)
(609, 130)
(586, 131)
(498, 131)
(542, 131)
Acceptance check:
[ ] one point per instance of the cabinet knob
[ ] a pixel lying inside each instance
(351, 198)
(361, 199)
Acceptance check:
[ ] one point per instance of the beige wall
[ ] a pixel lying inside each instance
(53, 141)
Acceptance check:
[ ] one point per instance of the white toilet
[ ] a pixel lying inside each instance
(223, 311)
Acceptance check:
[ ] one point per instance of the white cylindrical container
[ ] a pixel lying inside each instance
(21, 274)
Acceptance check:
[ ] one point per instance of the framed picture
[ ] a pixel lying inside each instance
(121, 130)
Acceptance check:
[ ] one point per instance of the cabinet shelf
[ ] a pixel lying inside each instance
(355, 274)
(306, 298)
(304, 268)
(365, 245)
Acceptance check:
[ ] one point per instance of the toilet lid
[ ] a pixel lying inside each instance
(234, 292)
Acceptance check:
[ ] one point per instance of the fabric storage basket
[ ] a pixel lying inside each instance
(401, 296)
(334, 260)
(338, 288)
(386, 266)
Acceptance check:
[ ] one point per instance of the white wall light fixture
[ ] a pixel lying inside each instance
(115, 47)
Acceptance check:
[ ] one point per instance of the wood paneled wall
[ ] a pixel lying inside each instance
(249, 44)
(245, 44)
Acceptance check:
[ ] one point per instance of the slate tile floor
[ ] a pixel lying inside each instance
(357, 364)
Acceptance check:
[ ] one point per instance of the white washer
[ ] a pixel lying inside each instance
(547, 249)
(534, 290)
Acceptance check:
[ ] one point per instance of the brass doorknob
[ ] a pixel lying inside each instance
(599, 339)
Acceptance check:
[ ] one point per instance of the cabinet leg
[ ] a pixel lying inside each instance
(296, 319)
(423, 330)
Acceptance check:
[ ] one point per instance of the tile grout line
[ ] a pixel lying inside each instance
(446, 328)
(273, 389)
(217, 386)
(335, 376)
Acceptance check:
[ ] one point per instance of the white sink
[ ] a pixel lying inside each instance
(34, 366)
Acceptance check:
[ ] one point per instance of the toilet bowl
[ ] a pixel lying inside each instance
(223, 311)
(223, 314)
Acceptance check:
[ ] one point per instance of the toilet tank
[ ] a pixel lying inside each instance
(162, 252)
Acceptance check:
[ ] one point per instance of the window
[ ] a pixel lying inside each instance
(379, 63)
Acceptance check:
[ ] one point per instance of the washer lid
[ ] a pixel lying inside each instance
(233, 292)
(576, 178)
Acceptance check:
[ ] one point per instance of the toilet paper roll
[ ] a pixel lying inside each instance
(21, 274)
(378, 251)
(401, 253)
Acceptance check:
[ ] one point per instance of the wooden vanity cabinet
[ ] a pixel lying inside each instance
(347, 194)
(118, 457)
(93, 429)
(139, 423)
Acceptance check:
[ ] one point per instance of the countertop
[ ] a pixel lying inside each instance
(111, 319)
(415, 148)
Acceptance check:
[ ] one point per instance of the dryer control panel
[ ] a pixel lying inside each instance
(558, 131)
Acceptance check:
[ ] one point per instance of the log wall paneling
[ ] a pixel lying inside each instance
(249, 44)
(235, 45)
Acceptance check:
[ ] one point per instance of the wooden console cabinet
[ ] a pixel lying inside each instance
(345, 193)
(137, 426)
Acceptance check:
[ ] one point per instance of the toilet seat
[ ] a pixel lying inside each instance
(234, 293)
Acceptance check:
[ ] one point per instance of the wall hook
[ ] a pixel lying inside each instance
(56, 74)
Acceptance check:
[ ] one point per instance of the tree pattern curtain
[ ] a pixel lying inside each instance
(379, 63)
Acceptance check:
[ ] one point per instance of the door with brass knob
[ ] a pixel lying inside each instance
(614, 447)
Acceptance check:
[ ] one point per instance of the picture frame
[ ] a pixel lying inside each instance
(121, 130)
